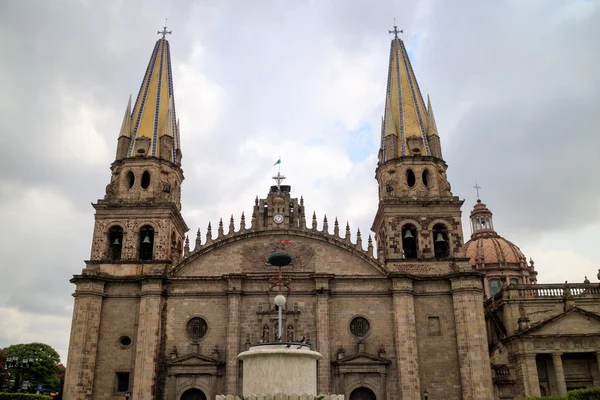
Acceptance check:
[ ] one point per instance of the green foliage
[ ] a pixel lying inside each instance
(585, 394)
(42, 372)
(581, 394)
(23, 396)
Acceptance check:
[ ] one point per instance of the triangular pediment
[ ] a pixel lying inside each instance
(362, 359)
(194, 359)
(575, 321)
(248, 254)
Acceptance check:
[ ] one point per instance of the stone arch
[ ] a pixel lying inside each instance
(135, 237)
(448, 227)
(199, 386)
(361, 385)
(417, 238)
(106, 229)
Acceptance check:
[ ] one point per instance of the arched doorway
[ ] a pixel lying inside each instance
(193, 394)
(362, 393)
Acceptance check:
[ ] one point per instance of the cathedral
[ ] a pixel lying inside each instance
(156, 317)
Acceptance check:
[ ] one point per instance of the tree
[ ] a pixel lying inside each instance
(3, 373)
(42, 371)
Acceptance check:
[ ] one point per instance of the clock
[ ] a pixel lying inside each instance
(278, 218)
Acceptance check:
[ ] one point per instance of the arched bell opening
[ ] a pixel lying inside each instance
(409, 241)
(441, 247)
(146, 242)
(115, 240)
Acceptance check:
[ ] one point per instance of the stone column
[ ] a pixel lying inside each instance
(560, 373)
(405, 338)
(85, 326)
(234, 294)
(148, 340)
(471, 337)
(324, 365)
(527, 367)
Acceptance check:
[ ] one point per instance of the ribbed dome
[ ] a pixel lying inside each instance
(493, 249)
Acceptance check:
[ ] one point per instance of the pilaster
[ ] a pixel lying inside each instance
(560, 373)
(471, 337)
(322, 314)
(85, 326)
(405, 338)
(234, 293)
(148, 340)
(531, 381)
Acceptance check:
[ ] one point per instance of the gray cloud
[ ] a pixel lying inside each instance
(514, 85)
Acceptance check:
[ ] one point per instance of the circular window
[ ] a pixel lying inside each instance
(125, 341)
(196, 328)
(410, 178)
(359, 327)
(145, 180)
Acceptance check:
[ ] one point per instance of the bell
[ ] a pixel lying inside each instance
(408, 235)
(146, 239)
(439, 238)
(116, 242)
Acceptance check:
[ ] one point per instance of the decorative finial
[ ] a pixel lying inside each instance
(396, 31)
(164, 32)
(477, 187)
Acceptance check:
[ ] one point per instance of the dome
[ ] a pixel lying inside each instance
(493, 249)
(486, 246)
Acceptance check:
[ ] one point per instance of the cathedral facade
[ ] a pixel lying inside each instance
(159, 319)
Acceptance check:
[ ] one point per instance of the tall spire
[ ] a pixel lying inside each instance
(407, 122)
(153, 125)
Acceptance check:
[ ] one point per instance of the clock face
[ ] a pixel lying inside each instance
(278, 218)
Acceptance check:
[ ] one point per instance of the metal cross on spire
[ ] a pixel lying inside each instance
(164, 32)
(477, 187)
(396, 31)
(278, 178)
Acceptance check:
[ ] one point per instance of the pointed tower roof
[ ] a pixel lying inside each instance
(153, 114)
(406, 117)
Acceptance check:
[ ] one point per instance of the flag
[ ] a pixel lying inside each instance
(284, 241)
(277, 162)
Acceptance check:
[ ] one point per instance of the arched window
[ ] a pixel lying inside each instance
(130, 179)
(146, 242)
(115, 240)
(425, 177)
(410, 178)
(494, 286)
(145, 180)
(441, 248)
(409, 241)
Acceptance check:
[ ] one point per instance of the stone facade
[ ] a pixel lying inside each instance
(545, 339)
(155, 318)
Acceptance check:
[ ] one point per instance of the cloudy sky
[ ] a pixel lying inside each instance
(515, 86)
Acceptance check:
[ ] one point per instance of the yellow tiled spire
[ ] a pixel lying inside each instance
(407, 122)
(153, 115)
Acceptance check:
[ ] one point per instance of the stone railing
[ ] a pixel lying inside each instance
(558, 290)
(281, 396)
(501, 373)
(546, 290)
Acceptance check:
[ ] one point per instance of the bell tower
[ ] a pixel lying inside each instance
(139, 219)
(418, 216)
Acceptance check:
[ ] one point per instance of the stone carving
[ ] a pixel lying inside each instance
(443, 184)
(112, 189)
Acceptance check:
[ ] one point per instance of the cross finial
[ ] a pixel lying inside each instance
(164, 32)
(477, 187)
(278, 178)
(396, 31)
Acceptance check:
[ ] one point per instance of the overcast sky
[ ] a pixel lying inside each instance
(515, 86)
